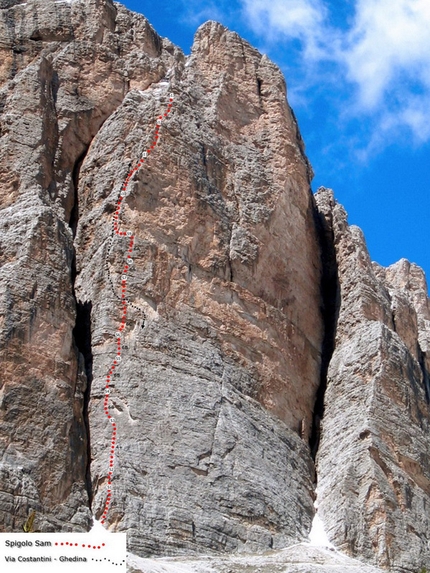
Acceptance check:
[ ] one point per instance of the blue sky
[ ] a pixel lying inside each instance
(358, 76)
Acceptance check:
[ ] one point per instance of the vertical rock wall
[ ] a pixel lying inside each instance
(373, 461)
(62, 74)
(215, 384)
(220, 379)
(218, 392)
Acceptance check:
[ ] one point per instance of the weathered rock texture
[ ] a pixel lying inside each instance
(63, 73)
(248, 302)
(373, 460)
(214, 390)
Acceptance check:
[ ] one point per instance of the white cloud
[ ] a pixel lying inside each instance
(300, 19)
(416, 116)
(383, 52)
(388, 43)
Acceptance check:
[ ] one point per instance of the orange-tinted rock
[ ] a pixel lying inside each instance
(214, 390)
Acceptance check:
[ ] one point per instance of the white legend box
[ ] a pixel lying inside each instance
(94, 552)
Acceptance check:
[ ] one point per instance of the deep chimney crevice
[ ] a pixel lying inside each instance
(82, 328)
(74, 213)
(330, 312)
(82, 338)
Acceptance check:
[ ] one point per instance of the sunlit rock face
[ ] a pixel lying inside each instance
(221, 351)
(258, 332)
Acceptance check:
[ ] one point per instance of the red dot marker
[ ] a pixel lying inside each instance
(121, 233)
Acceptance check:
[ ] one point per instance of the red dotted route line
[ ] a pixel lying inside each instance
(86, 545)
(128, 263)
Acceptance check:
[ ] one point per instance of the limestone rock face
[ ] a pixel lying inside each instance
(216, 381)
(221, 350)
(64, 68)
(255, 317)
(373, 460)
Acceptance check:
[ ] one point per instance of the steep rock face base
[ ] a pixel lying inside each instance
(373, 460)
(300, 558)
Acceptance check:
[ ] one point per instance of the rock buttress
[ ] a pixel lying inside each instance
(64, 68)
(216, 383)
(373, 462)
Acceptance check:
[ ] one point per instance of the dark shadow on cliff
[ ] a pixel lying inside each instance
(426, 378)
(82, 337)
(330, 313)
(74, 214)
(82, 329)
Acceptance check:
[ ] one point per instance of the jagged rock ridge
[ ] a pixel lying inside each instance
(255, 300)
(376, 418)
